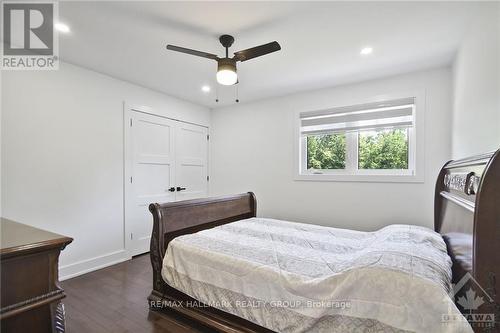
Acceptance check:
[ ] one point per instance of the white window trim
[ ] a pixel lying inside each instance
(415, 157)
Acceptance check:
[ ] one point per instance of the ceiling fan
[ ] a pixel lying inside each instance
(226, 67)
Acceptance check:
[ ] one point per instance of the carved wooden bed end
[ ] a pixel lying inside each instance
(467, 214)
(174, 219)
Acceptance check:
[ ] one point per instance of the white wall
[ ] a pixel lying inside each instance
(476, 96)
(252, 150)
(62, 156)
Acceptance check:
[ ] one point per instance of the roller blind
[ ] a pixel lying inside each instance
(388, 114)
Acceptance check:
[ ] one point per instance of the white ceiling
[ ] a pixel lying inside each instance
(320, 42)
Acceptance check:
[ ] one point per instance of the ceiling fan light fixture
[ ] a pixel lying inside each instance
(227, 77)
(226, 67)
(226, 72)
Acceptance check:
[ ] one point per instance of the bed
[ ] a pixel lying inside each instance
(215, 262)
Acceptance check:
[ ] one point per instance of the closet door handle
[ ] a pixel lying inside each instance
(172, 189)
(180, 188)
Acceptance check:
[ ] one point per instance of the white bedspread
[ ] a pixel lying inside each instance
(293, 277)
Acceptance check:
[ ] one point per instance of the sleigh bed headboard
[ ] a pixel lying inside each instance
(467, 214)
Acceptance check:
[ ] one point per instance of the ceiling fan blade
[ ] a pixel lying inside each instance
(257, 51)
(192, 52)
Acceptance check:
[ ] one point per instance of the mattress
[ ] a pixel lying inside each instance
(293, 277)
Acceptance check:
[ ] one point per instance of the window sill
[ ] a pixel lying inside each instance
(371, 178)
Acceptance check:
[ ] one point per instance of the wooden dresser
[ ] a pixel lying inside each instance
(30, 292)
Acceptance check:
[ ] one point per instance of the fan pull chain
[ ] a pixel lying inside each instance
(237, 95)
(216, 93)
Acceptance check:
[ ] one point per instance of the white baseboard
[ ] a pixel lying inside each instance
(92, 264)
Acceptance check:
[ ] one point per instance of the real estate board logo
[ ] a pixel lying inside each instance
(29, 41)
(470, 296)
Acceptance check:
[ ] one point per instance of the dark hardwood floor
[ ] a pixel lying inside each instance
(114, 299)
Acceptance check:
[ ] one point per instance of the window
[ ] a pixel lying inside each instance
(368, 141)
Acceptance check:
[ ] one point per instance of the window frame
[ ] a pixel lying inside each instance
(415, 171)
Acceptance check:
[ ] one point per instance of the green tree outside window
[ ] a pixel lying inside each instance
(386, 149)
(326, 151)
(383, 149)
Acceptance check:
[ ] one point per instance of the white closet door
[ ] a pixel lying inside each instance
(152, 174)
(191, 161)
